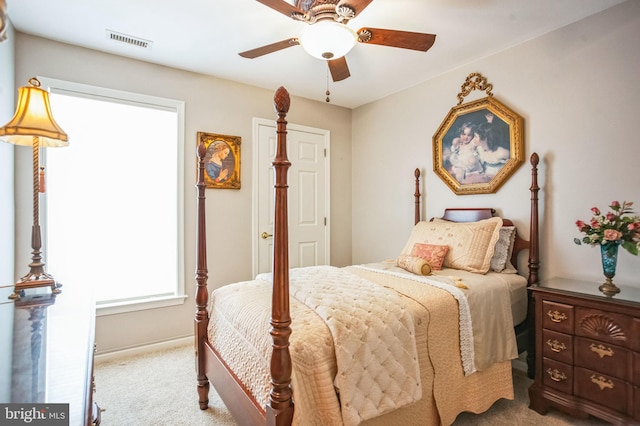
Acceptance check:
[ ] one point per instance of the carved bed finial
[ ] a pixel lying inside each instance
(202, 150)
(281, 101)
(534, 159)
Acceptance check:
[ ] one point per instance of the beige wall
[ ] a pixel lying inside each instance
(212, 105)
(577, 90)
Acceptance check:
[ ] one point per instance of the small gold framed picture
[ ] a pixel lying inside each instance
(222, 160)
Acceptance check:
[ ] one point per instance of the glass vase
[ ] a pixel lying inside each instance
(609, 254)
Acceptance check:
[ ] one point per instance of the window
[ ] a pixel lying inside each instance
(114, 201)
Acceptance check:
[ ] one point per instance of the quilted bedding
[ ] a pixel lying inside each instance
(373, 339)
(239, 330)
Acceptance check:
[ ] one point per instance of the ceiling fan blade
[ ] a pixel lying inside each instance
(339, 69)
(395, 38)
(282, 7)
(357, 5)
(269, 48)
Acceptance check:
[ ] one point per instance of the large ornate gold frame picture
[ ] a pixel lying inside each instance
(222, 160)
(479, 145)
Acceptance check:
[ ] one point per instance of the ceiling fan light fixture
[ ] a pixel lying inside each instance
(328, 40)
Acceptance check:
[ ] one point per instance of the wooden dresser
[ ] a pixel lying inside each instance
(46, 349)
(587, 351)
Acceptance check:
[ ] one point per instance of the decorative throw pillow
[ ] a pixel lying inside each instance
(471, 244)
(417, 265)
(504, 248)
(432, 253)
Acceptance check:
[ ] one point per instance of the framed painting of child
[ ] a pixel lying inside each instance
(478, 146)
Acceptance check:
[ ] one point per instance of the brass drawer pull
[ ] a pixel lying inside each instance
(556, 375)
(556, 316)
(601, 350)
(556, 346)
(602, 382)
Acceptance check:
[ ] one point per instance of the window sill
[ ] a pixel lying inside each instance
(138, 305)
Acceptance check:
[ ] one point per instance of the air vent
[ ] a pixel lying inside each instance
(127, 39)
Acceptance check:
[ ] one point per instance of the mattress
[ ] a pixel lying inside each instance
(239, 331)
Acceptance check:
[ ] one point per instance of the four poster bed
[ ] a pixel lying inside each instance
(394, 342)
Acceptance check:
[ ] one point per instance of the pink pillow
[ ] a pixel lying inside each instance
(432, 253)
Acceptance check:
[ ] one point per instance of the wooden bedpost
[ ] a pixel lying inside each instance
(534, 266)
(202, 294)
(417, 196)
(279, 409)
(534, 260)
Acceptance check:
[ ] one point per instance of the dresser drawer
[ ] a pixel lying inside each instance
(557, 375)
(603, 325)
(636, 369)
(557, 346)
(602, 389)
(557, 316)
(602, 357)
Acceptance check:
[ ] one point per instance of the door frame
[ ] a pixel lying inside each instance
(255, 191)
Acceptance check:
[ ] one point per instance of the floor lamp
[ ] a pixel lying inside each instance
(34, 126)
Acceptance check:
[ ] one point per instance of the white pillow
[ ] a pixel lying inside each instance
(504, 249)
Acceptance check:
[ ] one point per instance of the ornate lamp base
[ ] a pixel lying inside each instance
(609, 288)
(32, 280)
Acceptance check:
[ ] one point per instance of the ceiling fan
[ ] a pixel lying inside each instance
(328, 36)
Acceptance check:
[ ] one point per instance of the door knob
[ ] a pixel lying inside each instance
(265, 235)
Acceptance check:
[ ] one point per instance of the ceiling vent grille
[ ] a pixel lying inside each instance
(127, 39)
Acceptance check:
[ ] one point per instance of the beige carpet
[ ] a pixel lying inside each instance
(159, 388)
(156, 388)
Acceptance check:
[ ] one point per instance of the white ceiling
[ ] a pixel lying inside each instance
(205, 36)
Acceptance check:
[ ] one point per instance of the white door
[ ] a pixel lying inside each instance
(308, 195)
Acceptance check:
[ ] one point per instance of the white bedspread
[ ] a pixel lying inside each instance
(374, 340)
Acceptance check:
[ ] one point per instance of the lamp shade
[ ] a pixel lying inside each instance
(33, 118)
(328, 39)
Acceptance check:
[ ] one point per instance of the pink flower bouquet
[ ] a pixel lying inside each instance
(619, 225)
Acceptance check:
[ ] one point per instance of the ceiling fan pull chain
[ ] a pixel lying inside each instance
(328, 92)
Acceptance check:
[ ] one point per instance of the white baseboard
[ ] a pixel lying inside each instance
(152, 347)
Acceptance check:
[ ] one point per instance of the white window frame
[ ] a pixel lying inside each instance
(101, 93)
